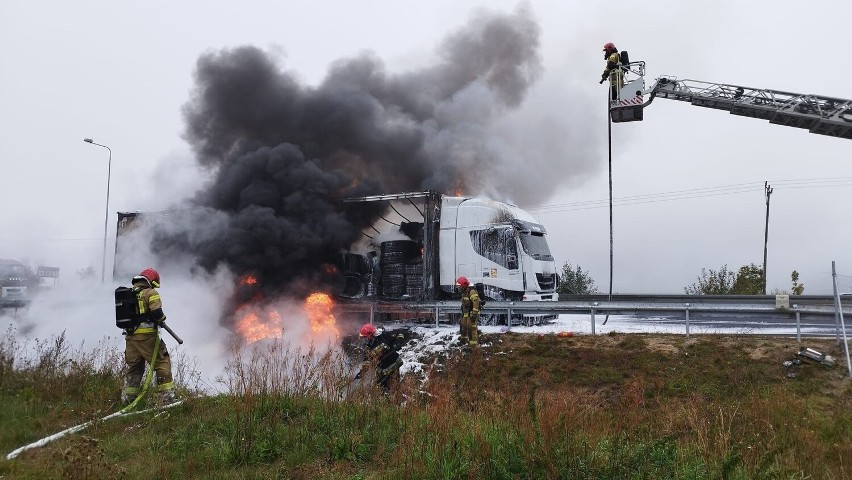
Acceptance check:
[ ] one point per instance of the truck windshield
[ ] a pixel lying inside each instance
(12, 271)
(534, 241)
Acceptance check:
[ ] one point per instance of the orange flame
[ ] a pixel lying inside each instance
(318, 306)
(253, 328)
(256, 321)
(459, 188)
(253, 323)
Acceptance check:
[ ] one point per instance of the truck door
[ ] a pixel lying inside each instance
(498, 245)
(516, 273)
(468, 262)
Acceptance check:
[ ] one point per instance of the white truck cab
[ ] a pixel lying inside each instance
(496, 244)
(13, 286)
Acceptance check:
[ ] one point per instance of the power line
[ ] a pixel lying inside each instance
(44, 239)
(695, 193)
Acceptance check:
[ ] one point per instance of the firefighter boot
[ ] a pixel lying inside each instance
(167, 397)
(129, 393)
(126, 398)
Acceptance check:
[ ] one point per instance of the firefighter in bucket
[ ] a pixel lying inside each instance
(613, 70)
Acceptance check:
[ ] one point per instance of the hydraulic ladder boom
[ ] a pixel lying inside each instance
(817, 114)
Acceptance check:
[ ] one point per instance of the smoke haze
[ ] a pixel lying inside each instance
(283, 154)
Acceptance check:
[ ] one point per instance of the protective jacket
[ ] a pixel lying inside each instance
(614, 72)
(150, 307)
(470, 302)
(382, 351)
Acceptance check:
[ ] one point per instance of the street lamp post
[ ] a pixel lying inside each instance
(106, 213)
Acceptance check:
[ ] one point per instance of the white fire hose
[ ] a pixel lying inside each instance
(126, 411)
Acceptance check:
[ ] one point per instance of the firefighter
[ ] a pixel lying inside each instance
(470, 304)
(613, 70)
(381, 350)
(139, 342)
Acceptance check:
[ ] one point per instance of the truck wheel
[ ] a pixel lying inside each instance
(353, 286)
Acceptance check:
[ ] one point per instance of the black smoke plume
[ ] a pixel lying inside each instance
(283, 154)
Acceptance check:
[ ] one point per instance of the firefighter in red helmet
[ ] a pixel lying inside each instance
(139, 343)
(470, 304)
(613, 70)
(381, 351)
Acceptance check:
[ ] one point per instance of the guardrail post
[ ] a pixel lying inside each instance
(798, 324)
(371, 314)
(594, 304)
(509, 318)
(437, 314)
(687, 319)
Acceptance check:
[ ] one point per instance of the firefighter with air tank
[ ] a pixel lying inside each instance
(470, 305)
(140, 341)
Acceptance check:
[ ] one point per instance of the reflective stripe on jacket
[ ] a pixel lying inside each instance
(613, 70)
(470, 302)
(149, 300)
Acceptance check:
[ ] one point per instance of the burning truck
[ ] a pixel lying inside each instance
(414, 250)
(424, 241)
(294, 197)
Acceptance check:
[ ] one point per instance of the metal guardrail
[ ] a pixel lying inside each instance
(683, 298)
(747, 309)
(685, 307)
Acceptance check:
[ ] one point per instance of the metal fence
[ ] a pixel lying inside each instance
(744, 308)
(793, 312)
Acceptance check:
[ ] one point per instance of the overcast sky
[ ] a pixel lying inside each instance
(120, 72)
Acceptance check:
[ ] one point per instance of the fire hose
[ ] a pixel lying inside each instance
(173, 334)
(123, 412)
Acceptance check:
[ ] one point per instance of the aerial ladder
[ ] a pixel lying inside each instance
(817, 114)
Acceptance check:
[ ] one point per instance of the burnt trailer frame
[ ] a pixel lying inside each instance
(431, 227)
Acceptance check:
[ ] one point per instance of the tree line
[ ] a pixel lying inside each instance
(747, 280)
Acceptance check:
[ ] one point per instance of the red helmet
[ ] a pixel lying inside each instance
(463, 282)
(152, 276)
(367, 330)
(609, 46)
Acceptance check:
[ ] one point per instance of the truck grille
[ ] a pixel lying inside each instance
(14, 292)
(546, 282)
(13, 297)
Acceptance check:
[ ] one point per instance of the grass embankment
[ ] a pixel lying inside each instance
(615, 406)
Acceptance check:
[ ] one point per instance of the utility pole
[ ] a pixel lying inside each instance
(768, 191)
